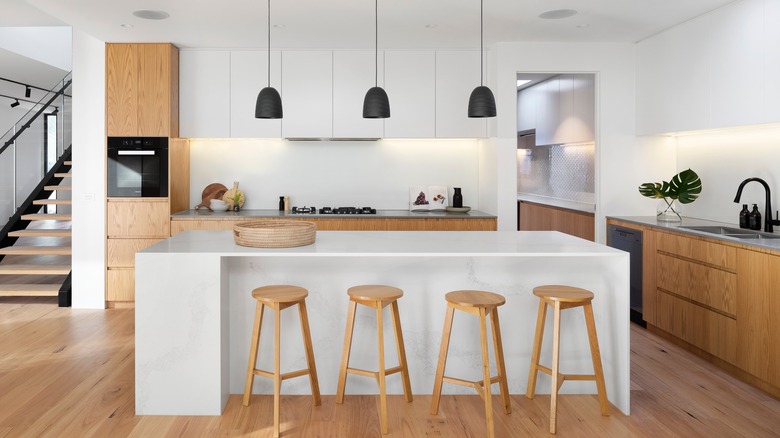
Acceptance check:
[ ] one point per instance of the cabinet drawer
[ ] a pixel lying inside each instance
(188, 225)
(120, 285)
(699, 250)
(138, 218)
(121, 252)
(712, 287)
(710, 331)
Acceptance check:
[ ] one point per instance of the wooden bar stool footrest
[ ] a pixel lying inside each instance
(285, 376)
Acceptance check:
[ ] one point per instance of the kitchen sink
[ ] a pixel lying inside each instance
(737, 233)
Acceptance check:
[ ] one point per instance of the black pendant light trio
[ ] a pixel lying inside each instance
(376, 104)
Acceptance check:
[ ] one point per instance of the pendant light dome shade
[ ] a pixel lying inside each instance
(269, 104)
(482, 103)
(376, 105)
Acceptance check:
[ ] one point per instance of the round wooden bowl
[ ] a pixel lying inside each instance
(276, 233)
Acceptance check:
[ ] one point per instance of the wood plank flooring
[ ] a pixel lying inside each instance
(69, 373)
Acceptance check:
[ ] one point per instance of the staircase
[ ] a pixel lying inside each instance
(35, 246)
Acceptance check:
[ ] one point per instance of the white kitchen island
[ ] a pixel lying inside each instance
(194, 311)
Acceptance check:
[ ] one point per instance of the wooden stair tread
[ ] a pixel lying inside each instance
(52, 202)
(34, 270)
(63, 175)
(35, 250)
(68, 163)
(57, 188)
(43, 232)
(46, 217)
(29, 290)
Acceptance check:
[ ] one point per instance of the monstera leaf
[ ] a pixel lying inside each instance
(685, 187)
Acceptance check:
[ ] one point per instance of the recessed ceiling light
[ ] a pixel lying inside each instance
(278, 26)
(557, 14)
(151, 15)
(431, 26)
(583, 26)
(127, 26)
(521, 82)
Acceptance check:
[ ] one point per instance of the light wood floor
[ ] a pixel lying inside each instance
(69, 373)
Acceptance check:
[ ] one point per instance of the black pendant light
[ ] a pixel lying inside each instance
(481, 102)
(376, 104)
(269, 102)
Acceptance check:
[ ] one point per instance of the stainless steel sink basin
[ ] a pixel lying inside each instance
(737, 233)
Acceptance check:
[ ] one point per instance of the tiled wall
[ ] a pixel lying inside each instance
(563, 172)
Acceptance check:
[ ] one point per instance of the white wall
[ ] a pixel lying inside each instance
(89, 180)
(723, 159)
(51, 44)
(622, 162)
(376, 174)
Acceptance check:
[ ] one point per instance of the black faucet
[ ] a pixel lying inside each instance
(767, 207)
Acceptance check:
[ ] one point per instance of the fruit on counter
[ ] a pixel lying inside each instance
(234, 196)
(421, 199)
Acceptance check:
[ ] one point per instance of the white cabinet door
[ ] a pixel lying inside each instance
(410, 82)
(204, 94)
(307, 93)
(549, 110)
(353, 75)
(575, 120)
(737, 64)
(527, 103)
(249, 75)
(772, 60)
(672, 80)
(457, 74)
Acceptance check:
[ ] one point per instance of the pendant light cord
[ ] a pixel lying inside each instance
(481, 50)
(269, 43)
(376, 43)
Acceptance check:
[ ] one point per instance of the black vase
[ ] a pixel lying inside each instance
(457, 198)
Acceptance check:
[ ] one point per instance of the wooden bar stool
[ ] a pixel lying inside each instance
(478, 303)
(559, 298)
(376, 297)
(278, 298)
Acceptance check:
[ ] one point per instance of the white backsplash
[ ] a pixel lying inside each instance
(563, 172)
(335, 173)
(723, 159)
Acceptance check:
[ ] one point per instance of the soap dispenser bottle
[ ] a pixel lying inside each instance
(744, 217)
(755, 218)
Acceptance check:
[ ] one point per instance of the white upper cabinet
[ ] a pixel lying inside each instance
(577, 99)
(353, 75)
(307, 94)
(410, 82)
(249, 75)
(527, 103)
(204, 94)
(715, 71)
(457, 74)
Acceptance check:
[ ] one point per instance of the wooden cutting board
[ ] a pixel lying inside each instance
(212, 191)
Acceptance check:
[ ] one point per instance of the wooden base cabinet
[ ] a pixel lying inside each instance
(538, 217)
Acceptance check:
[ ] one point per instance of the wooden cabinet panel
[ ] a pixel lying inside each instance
(188, 225)
(649, 269)
(441, 224)
(121, 89)
(355, 224)
(338, 224)
(138, 218)
(536, 217)
(707, 286)
(121, 252)
(699, 250)
(153, 88)
(179, 174)
(757, 332)
(710, 331)
(120, 285)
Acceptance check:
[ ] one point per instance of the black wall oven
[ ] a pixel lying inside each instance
(138, 167)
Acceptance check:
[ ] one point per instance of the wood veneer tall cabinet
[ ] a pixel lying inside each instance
(142, 90)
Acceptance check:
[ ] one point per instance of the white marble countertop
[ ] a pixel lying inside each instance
(395, 243)
(206, 214)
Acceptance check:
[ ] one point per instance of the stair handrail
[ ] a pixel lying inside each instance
(29, 122)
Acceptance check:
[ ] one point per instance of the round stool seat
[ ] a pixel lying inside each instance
(564, 294)
(375, 292)
(279, 293)
(474, 298)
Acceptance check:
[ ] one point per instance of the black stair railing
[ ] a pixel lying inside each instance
(43, 107)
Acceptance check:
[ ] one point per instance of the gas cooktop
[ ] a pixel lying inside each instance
(334, 210)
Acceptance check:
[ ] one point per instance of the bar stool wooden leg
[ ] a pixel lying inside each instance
(498, 349)
(445, 345)
(399, 346)
(277, 368)
(555, 375)
(486, 372)
(253, 349)
(536, 350)
(596, 356)
(345, 353)
(381, 373)
(315, 386)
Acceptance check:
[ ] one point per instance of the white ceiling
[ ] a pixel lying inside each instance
(350, 24)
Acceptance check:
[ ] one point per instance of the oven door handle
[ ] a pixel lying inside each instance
(135, 152)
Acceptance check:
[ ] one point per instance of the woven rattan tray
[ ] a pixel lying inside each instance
(276, 233)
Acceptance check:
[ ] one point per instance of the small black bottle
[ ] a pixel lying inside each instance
(744, 219)
(754, 219)
(281, 203)
(457, 198)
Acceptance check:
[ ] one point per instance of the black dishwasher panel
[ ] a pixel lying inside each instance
(630, 240)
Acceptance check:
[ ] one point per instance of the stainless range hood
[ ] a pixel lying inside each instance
(329, 139)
